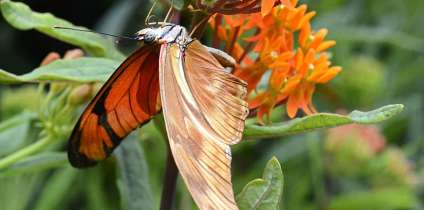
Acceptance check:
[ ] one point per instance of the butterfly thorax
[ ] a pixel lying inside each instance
(169, 33)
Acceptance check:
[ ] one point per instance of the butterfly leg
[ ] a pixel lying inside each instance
(224, 59)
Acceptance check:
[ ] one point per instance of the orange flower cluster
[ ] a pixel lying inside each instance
(278, 40)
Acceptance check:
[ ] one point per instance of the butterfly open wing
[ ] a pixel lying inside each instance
(204, 113)
(127, 100)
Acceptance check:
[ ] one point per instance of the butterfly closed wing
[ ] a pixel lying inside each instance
(126, 101)
(203, 108)
(204, 114)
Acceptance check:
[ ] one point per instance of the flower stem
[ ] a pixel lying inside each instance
(169, 183)
(171, 171)
(198, 24)
(25, 152)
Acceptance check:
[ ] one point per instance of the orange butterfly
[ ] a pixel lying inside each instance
(202, 104)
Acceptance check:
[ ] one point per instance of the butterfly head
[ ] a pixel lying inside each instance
(167, 33)
(148, 35)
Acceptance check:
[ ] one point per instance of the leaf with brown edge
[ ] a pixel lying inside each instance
(321, 120)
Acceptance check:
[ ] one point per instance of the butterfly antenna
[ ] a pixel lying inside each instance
(149, 23)
(90, 31)
(170, 11)
(146, 21)
(198, 25)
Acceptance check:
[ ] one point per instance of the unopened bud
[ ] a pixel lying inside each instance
(80, 94)
(72, 54)
(95, 88)
(50, 58)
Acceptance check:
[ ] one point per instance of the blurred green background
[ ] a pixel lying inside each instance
(380, 45)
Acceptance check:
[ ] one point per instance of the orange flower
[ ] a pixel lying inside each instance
(278, 42)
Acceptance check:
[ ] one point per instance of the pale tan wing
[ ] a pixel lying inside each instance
(204, 113)
(218, 94)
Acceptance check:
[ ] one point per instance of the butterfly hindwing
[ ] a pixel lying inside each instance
(204, 113)
(126, 101)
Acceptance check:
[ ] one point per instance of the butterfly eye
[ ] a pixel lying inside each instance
(149, 38)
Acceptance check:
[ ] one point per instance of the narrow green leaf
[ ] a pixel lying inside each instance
(133, 182)
(16, 192)
(22, 17)
(36, 163)
(383, 199)
(13, 132)
(95, 193)
(265, 193)
(6, 77)
(55, 191)
(321, 120)
(74, 70)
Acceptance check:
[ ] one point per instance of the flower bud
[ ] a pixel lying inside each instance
(362, 83)
(352, 145)
(80, 94)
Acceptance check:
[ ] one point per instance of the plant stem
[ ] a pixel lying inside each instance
(169, 183)
(171, 171)
(198, 24)
(25, 152)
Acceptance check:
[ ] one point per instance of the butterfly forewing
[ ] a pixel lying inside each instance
(204, 113)
(203, 108)
(127, 100)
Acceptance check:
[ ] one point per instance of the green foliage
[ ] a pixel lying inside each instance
(11, 104)
(16, 128)
(75, 70)
(265, 193)
(135, 191)
(321, 120)
(22, 17)
(365, 75)
(37, 116)
(374, 200)
(56, 190)
(36, 163)
(17, 191)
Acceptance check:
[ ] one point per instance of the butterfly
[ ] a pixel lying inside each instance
(203, 107)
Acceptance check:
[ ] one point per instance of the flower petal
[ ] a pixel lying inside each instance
(266, 6)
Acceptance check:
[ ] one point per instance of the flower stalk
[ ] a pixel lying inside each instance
(25, 152)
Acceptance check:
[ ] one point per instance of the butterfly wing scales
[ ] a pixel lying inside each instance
(127, 100)
(191, 83)
(218, 93)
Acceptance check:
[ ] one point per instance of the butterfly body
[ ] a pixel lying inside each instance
(203, 107)
(169, 33)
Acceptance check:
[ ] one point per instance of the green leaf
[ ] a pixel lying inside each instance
(16, 192)
(13, 132)
(20, 16)
(265, 193)
(56, 189)
(36, 163)
(321, 120)
(96, 196)
(74, 70)
(133, 182)
(6, 77)
(397, 198)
